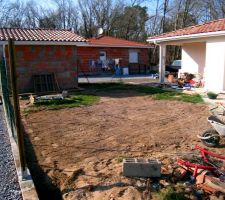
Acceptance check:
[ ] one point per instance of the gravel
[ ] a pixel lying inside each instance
(9, 185)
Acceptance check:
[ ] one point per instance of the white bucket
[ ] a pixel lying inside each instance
(125, 71)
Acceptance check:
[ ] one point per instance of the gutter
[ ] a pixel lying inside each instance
(187, 37)
(78, 44)
(95, 45)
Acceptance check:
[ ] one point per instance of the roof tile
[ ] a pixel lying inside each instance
(112, 41)
(25, 34)
(212, 26)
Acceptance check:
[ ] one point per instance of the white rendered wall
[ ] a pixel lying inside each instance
(215, 65)
(193, 58)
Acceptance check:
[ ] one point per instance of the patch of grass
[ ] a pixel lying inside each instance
(150, 90)
(119, 159)
(156, 92)
(169, 194)
(104, 87)
(179, 96)
(72, 101)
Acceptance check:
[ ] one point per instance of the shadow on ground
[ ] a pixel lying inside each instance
(43, 184)
(120, 90)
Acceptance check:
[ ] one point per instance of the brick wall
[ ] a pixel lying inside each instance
(85, 54)
(34, 59)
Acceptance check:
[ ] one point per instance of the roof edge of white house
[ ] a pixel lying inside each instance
(186, 37)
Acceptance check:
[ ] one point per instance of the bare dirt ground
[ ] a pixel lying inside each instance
(80, 149)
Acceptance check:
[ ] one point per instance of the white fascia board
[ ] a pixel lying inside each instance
(187, 37)
(3, 42)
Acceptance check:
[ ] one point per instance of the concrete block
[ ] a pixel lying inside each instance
(141, 167)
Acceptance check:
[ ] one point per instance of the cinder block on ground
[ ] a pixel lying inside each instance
(141, 167)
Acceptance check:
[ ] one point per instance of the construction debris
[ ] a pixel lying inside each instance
(186, 81)
(34, 99)
(206, 173)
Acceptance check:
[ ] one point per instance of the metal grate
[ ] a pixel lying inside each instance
(45, 83)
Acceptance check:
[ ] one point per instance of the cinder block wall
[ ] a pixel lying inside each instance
(85, 54)
(35, 59)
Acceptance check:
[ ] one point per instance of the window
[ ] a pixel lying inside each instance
(102, 56)
(133, 56)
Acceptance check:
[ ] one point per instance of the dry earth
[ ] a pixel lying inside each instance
(80, 149)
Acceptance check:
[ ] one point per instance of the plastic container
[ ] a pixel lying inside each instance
(125, 71)
(117, 71)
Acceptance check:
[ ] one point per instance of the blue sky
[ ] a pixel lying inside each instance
(151, 4)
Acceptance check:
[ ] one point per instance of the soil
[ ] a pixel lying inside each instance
(81, 149)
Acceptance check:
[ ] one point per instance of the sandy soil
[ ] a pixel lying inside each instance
(80, 149)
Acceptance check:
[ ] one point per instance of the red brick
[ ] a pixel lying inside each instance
(36, 59)
(85, 54)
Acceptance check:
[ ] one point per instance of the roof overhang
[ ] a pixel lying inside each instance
(44, 43)
(186, 37)
(79, 44)
(106, 45)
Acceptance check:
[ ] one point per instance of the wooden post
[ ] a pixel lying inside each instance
(19, 129)
(162, 61)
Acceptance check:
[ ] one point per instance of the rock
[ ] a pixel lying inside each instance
(36, 138)
(193, 197)
(48, 160)
(188, 190)
(9, 184)
(55, 145)
(164, 183)
(77, 194)
(214, 197)
(187, 183)
(140, 184)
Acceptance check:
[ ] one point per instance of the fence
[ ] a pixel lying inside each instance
(6, 94)
(10, 98)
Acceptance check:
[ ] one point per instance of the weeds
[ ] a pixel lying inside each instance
(169, 193)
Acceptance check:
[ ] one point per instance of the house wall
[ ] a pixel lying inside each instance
(193, 58)
(215, 65)
(208, 59)
(85, 54)
(34, 59)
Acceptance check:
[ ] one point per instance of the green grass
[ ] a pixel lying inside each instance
(72, 101)
(169, 194)
(93, 93)
(120, 158)
(179, 96)
(156, 92)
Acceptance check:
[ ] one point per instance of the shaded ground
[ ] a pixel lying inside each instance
(125, 79)
(81, 149)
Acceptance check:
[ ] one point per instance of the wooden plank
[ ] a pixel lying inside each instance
(19, 129)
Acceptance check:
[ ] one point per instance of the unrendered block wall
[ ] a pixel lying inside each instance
(35, 59)
(215, 65)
